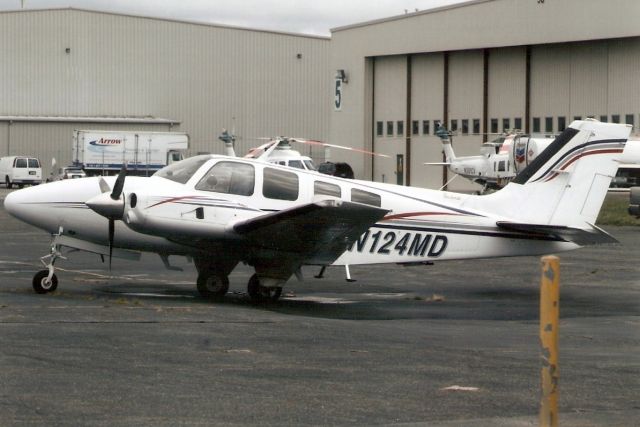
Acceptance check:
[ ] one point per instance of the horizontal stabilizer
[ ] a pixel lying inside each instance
(579, 236)
(315, 233)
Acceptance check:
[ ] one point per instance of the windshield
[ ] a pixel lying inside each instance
(310, 165)
(183, 171)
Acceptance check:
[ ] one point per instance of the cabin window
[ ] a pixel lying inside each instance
(280, 185)
(229, 178)
(296, 164)
(360, 196)
(325, 189)
(501, 166)
(182, 172)
(21, 163)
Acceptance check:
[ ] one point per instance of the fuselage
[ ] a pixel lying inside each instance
(422, 225)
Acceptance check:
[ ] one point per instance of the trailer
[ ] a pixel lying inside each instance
(105, 152)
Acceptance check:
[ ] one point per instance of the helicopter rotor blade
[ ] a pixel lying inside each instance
(342, 147)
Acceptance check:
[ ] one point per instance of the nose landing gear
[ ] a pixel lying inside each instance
(45, 281)
(260, 293)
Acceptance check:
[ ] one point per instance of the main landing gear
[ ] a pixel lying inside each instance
(212, 286)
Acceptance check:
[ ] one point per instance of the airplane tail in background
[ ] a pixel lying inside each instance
(566, 184)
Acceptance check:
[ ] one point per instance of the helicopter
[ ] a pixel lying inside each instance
(278, 150)
(499, 162)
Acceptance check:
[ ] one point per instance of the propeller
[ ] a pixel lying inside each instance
(111, 206)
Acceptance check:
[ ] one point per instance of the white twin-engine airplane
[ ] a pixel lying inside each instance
(221, 211)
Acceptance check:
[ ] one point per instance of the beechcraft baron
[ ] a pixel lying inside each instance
(221, 210)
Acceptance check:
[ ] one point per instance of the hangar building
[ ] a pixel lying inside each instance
(65, 69)
(480, 66)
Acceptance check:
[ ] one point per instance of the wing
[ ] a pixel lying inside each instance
(579, 236)
(315, 233)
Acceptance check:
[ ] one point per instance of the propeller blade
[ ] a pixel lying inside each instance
(119, 185)
(104, 187)
(111, 237)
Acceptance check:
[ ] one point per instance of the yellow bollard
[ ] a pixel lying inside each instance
(549, 313)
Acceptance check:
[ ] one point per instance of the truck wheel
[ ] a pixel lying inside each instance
(7, 182)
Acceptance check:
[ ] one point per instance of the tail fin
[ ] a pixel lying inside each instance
(443, 134)
(567, 183)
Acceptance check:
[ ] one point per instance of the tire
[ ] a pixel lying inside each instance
(212, 286)
(40, 284)
(7, 182)
(259, 293)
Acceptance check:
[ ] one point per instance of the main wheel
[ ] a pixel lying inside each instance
(212, 286)
(40, 283)
(260, 293)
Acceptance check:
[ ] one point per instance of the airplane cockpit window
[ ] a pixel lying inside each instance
(326, 189)
(296, 164)
(280, 185)
(183, 171)
(365, 197)
(229, 178)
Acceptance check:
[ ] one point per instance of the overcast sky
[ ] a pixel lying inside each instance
(298, 16)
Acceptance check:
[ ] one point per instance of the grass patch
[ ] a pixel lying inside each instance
(614, 211)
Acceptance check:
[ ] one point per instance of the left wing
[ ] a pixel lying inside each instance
(315, 233)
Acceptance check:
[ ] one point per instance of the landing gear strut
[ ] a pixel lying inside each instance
(259, 293)
(45, 280)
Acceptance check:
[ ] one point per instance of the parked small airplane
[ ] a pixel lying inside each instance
(499, 162)
(222, 210)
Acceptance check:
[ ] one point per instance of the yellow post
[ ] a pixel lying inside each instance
(549, 313)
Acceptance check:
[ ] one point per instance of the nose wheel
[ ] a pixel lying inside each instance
(42, 283)
(259, 293)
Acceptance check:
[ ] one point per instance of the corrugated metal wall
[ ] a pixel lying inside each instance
(207, 77)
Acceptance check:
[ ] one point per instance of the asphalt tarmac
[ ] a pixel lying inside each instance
(139, 347)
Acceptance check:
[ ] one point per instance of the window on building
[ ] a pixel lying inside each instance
(577, 117)
(562, 123)
(379, 128)
(326, 189)
(476, 126)
(425, 127)
(229, 178)
(454, 125)
(506, 125)
(280, 185)
(517, 123)
(389, 128)
(415, 127)
(494, 125)
(628, 119)
(365, 197)
(548, 124)
(536, 124)
(465, 126)
(615, 118)
(604, 118)
(400, 127)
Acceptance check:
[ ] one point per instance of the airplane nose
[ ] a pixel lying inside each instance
(12, 203)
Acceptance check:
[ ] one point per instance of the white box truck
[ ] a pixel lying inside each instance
(104, 152)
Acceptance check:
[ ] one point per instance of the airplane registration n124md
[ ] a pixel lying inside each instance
(221, 211)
